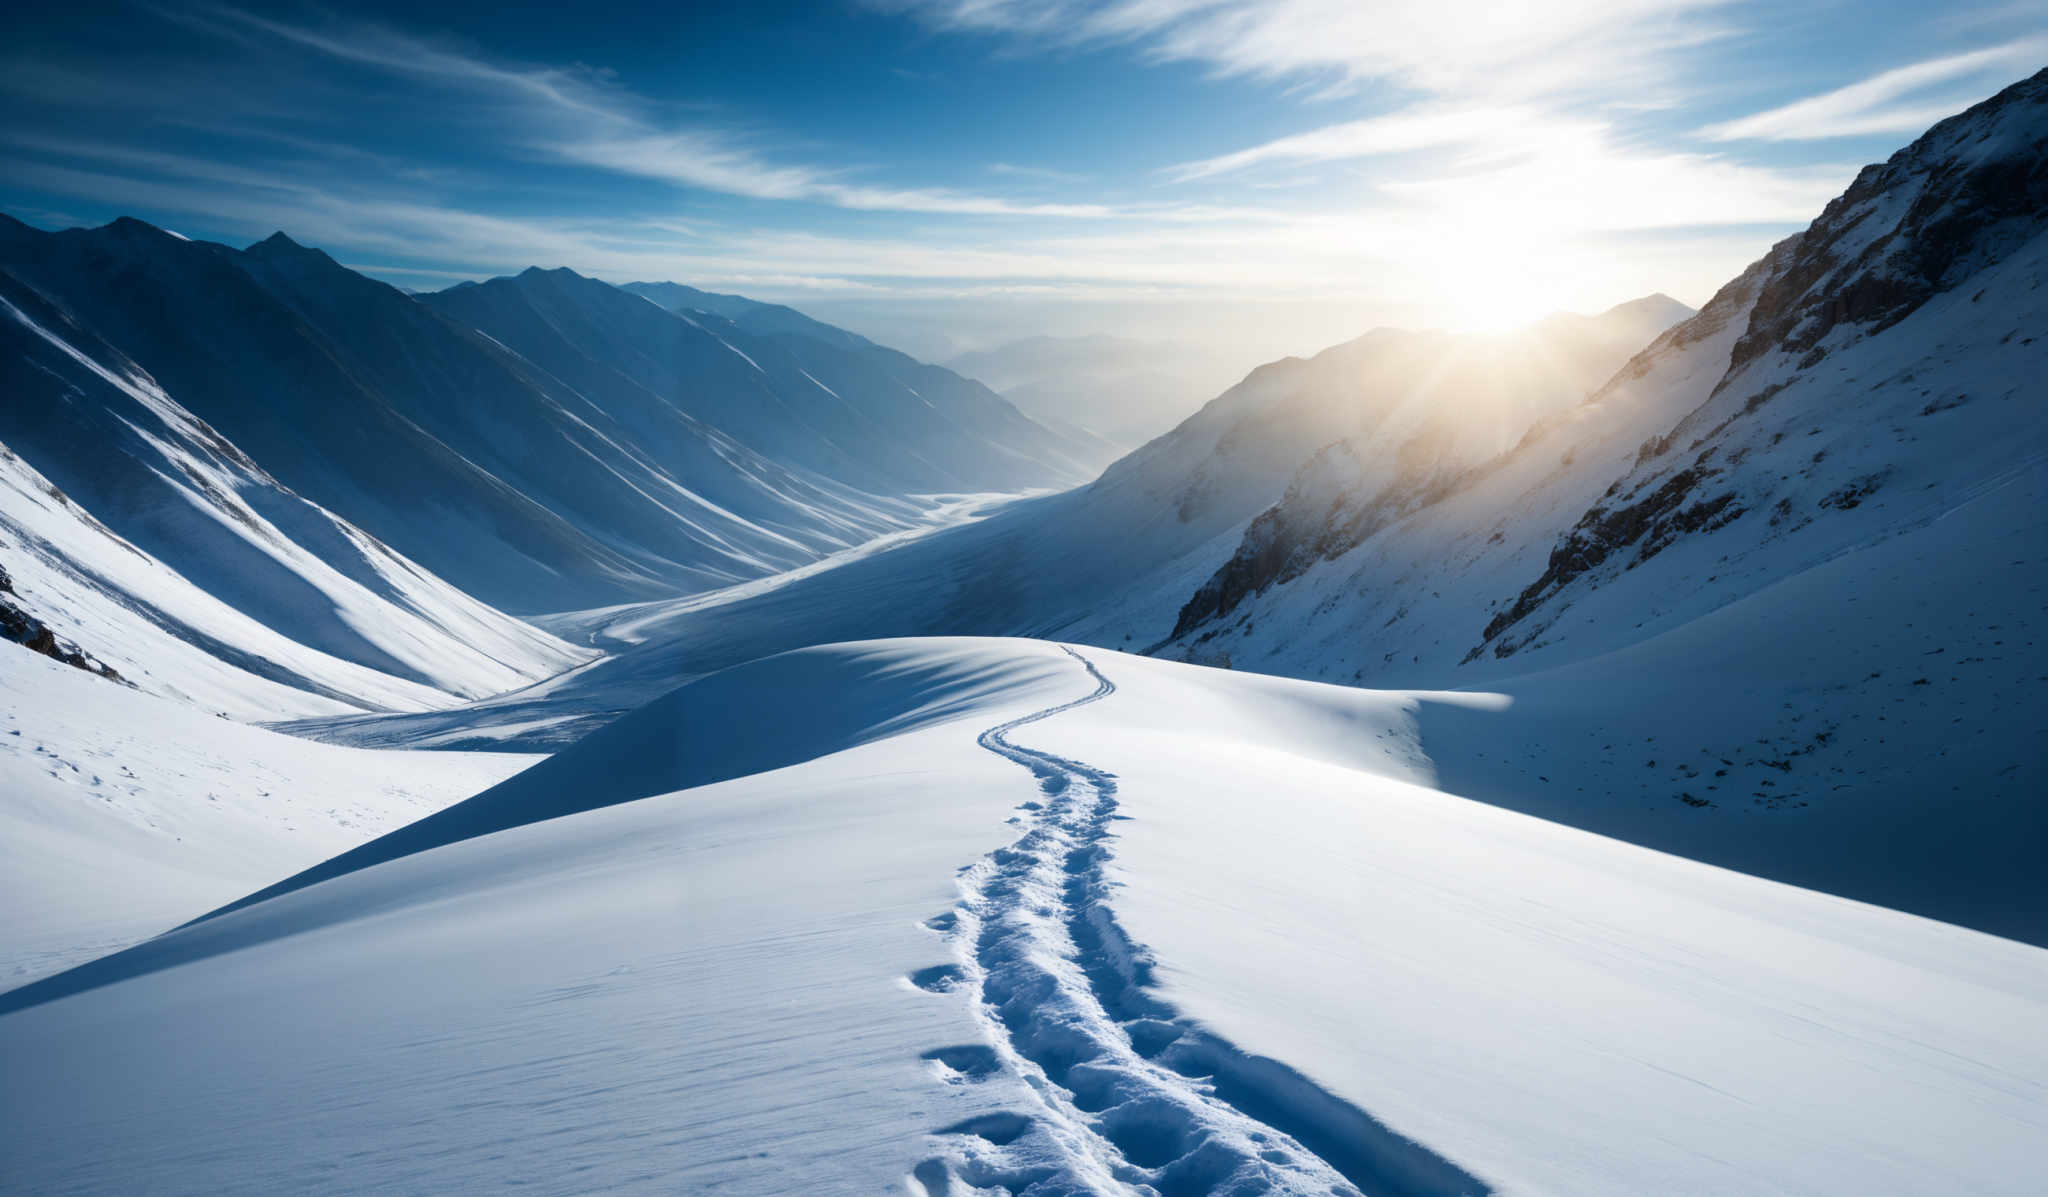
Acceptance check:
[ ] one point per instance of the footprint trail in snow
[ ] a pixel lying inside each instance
(1124, 1096)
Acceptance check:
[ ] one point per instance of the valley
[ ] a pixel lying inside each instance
(617, 737)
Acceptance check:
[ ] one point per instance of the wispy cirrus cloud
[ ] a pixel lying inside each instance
(1399, 132)
(709, 160)
(1902, 100)
(1500, 50)
(1476, 103)
(580, 117)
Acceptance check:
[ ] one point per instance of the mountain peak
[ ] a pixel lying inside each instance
(128, 226)
(278, 249)
(1964, 194)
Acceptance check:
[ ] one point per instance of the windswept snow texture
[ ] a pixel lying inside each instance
(1226, 916)
(575, 446)
(126, 814)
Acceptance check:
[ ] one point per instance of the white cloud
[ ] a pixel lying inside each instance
(708, 160)
(1878, 104)
(1394, 133)
(1498, 49)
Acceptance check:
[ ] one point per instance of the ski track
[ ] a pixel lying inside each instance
(1126, 1097)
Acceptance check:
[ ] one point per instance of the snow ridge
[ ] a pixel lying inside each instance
(1130, 1097)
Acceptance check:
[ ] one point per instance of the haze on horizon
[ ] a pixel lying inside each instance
(946, 175)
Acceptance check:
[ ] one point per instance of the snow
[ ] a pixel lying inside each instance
(1555, 1011)
(127, 814)
(774, 980)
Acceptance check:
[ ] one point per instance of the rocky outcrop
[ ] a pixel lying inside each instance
(1971, 189)
(18, 625)
(1674, 508)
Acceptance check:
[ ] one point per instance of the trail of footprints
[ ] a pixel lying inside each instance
(1125, 1097)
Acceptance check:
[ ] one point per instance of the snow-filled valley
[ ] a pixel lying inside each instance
(634, 738)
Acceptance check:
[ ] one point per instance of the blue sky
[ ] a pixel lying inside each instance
(947, 173)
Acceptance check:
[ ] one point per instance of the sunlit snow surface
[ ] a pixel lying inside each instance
(774, 982)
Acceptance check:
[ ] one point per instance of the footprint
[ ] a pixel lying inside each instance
(974, 1061)
(1150, 1036)
(1002, 1128)
(939, 978)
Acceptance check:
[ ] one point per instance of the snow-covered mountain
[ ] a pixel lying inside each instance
(528, 489)
(1811, 516)
(134, 532)
(1127, 391)
(802, 394)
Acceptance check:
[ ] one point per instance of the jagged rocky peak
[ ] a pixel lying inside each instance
(1963, 197)
(1970, 190)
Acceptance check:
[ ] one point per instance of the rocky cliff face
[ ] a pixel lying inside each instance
(1971, 190)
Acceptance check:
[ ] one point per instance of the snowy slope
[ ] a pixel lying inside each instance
(144, 536)
(1217, 934)
(127, 814)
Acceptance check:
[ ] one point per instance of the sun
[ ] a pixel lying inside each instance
(1497, 278)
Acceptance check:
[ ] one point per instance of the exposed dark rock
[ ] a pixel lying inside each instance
(1972, 197)
(1652, 522)
(17, 625)
(1853, 494)
(1289, 538)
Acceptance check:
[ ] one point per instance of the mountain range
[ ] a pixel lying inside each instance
(429, 462)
